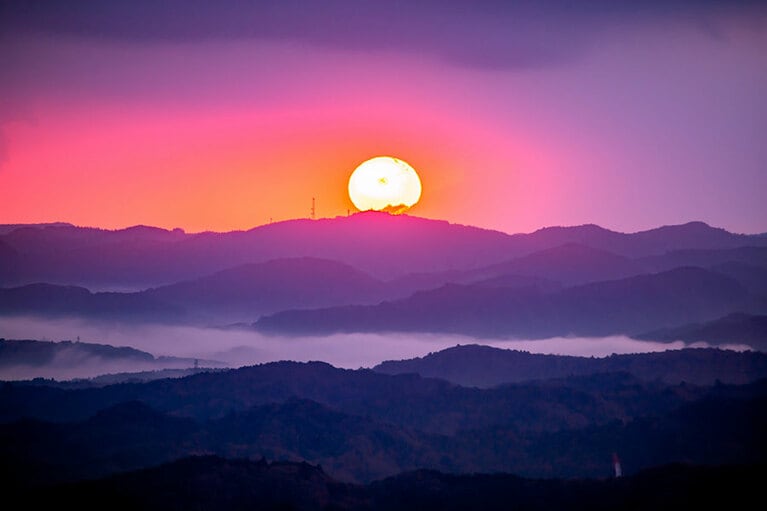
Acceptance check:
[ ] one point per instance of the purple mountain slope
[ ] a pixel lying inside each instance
(380, 244)
(238, 294)
(68, 301)
(573, 264)
(613, 307)
(570, 264)
(692, 235)
(247, 291)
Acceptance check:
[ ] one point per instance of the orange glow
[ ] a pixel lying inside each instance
(220, 170)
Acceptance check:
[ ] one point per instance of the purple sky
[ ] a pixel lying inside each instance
(517, 115)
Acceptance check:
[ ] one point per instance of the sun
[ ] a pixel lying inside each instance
(384, 183)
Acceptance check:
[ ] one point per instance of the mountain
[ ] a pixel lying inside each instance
(622, 306)
(10, 261)
(407, 400)
(745, 329)
(485, 366)
(65, 254)
(40, 353)
(692, 235)
(54, 300)
(6, 228)
(748, 255)
(385, 246)
(237, 294)
(571, 264)
(210, 482)
(26, 359)
(356, 448)
(245, 292)
(649, 426)
(546, 269)
(753, 278)
(372, 242)
(234, 295)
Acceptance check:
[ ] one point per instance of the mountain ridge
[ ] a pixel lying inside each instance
(623, 306)
(487, 366)
(143, 256)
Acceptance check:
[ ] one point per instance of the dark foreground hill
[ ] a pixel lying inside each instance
(215, 483)
(485, 366)
(363, 425)
(716, 429)
(406, 400)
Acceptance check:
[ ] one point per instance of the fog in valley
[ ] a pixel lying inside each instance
(238, 347)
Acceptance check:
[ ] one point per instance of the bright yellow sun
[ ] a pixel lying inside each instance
(384, 183)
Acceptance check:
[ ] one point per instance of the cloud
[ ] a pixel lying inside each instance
(487, 34)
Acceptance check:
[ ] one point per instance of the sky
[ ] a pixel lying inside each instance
(226, 115)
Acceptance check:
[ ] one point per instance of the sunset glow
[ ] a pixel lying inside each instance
(384, 184)
(374, 255)
(217, 129)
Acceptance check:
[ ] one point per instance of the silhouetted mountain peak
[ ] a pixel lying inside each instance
(147, 232)
(694, 234)
(147, 257)
(486, 366)
(582, 229)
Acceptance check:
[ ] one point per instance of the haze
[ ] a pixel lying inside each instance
(237, 347)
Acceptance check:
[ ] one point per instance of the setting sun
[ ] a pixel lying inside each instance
(384, 183)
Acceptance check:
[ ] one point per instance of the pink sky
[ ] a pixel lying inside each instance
(648, 125)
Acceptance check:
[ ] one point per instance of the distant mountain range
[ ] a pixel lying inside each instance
(259, 288)
(385, 246)
(374, 272)
(628, 306)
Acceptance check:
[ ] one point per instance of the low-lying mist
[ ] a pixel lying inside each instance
(71, 365)
(238, 347)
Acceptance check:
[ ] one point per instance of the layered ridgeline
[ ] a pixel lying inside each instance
(626, 306)
(377, 272)
(26, 359)
(745, 328)
(362, 425)
(385, 246)
(485, 366)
